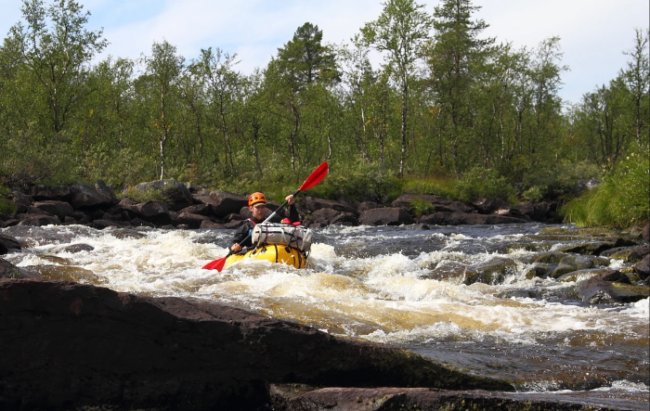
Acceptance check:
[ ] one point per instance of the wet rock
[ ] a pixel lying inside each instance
(77, 248)
(581, 275)
(222, 203)
(525, 208)
(63, 273)
(60, 209)
(40, 220)
(492, 272)
(137, 222)
(639, 253)
(492, 206)
(190, 220)
(127, 233)
(86, 346)
(646, 232)
(367, 205)
(206, 224)
(570, 263)
(8, 270)
(326, 216)
(386, 216)
(102, 224)
(598, 290)
(8, 244)
(642, 268)
(175, 193)
(295, 397)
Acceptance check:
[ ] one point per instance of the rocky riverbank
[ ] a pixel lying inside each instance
(185, 206)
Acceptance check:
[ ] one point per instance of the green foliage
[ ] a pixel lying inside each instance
(439, 186)
(483, 183)
(140, 196)
(361, 182)
(534, 193)
(620, 201)
(6, 205)
(421, 207)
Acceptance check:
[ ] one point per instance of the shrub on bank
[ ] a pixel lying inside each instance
(622, 200)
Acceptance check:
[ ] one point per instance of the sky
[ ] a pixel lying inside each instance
(594, 33)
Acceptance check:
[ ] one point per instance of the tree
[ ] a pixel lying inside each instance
(55, 48)
(637, 78)
(456, 59)
(401, 30)
(163, 70)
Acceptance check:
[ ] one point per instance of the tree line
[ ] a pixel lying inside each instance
(446, 103)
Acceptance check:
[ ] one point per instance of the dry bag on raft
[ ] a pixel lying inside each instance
(283, 234)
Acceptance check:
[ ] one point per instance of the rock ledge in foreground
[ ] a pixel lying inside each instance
(67, 345)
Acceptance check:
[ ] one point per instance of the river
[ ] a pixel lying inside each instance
(396, 285)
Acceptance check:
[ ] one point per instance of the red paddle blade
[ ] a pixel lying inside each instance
(216, 264)
(315, 177)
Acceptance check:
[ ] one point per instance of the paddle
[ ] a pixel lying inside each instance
(314, 178)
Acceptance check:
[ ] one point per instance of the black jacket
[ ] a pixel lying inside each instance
(246, 229)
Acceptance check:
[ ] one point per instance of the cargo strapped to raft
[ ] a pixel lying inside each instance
(283, 234)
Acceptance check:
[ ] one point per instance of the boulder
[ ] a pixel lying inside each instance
(540, 211)
(646, 232)
(327, 216)
(492, 272)
(41, 193)
(202, 209)
(85, 196)
(8, 270)
(40, 220)
(208, 224)
(60, 209)
(21, 201)
(8, 244)
(314, 204)
(642, 268)
(191, 220)
(386, 216)
(152, 211)
(639, 253)
(598, 290)
(295, 397)
(491, 206)
(72, 346)
(221, 203)
(176, 194)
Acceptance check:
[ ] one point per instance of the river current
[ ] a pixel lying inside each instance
(396, 285)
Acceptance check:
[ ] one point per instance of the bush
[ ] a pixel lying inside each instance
(140, 196)
(483, 183)
(622, 199)
(420, 207)
(363, 182)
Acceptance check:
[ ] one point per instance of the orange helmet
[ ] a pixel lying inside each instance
(256, 198)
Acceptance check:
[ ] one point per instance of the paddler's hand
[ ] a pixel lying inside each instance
(290, 199)
(235, 248)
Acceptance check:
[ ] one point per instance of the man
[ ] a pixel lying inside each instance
(257, 206)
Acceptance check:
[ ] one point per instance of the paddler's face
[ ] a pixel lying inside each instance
(258, 210)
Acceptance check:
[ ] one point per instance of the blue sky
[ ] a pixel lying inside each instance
(594, 33)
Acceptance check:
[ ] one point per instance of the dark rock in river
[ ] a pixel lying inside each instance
(8, 270)
(8, 244)
(646, 232)
(153, 211)
(642, 268)
(21, 201)
(314, 204)
(293, 397)
(190, 220)
(221, 203)
(326, 216)
(85, 196)
(492, 206)
(40, 220)
(598, 290)
(60, 209)
(68, 345)
(40, 193)
(492, 272)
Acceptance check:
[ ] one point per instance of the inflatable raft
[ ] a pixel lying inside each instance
(275, 253)
(278, 243)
